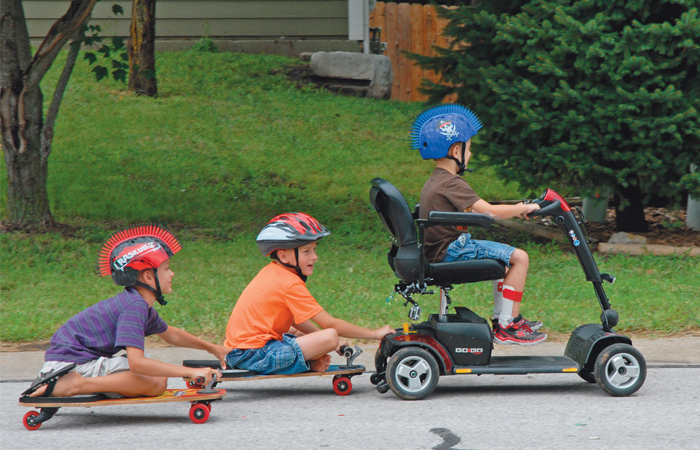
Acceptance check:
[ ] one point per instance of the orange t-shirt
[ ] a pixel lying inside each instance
(268, 306)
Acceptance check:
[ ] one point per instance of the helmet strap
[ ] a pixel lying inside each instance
(460, 164)
(296, 267)
(157, 292)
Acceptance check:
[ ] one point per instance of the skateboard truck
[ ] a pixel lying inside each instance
(209, 388)
(350, 355)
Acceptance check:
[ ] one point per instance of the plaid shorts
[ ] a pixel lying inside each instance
(275, 357)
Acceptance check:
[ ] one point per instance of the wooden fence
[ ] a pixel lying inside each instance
(415, 28)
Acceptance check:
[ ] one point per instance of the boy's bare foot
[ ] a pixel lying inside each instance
(320, 364)
(65, 386)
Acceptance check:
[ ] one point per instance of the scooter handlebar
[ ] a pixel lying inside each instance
(547, 210)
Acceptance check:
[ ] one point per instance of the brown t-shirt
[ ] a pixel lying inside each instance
(447, 192)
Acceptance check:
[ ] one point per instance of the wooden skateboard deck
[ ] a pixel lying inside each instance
(199, 411)
(341, 374)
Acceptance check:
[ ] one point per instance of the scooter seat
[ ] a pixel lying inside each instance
(458, 272)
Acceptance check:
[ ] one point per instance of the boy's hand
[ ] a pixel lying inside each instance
(205, 372)
(383, 331)
(528, 210)
(220, 352)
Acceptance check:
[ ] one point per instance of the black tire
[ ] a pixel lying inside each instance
(412, 373)
(620, 370)
(375, 378)
(382, 387)
(587, 375)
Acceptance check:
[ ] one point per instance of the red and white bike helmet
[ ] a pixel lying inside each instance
(290, 230)
(129, 252)
(287, 231)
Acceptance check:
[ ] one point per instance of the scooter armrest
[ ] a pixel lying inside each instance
(458, 219)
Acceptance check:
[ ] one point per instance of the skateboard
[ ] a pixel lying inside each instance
(200, 398)
(342, 385)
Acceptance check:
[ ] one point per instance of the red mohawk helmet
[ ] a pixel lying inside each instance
(129, 252)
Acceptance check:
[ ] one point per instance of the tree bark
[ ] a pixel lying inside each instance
(631, 218)
(26, 138)
(141, 48)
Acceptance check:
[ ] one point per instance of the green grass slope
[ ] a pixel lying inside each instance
(231, 142)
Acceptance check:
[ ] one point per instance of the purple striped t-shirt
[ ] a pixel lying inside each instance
(106, 328)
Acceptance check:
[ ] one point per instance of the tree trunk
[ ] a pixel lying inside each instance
(631, 218)
(26, 136)
(27, 169)
(142, 59)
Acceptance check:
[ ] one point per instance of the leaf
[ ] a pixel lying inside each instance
(119, 75)
(100, 72)
(90, 57)
(117, 10)
(105, 50)
(117, 43)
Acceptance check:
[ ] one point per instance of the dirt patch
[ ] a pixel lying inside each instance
(666, 227)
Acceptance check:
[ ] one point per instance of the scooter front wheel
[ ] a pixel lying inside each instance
(620, 370)
(412, 373)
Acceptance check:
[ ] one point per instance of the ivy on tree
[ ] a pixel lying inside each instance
(590, 93)
(111, 52)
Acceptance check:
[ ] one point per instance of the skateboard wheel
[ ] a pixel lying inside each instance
(27, 421)
(199, 413)
(342, 385)
(194, 385)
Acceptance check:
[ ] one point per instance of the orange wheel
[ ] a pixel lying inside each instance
(28, 421)
(194, 385)
(342, 385)
(199, 413)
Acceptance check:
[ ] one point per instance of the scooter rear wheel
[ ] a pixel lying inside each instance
(620, 370)
(412, 373)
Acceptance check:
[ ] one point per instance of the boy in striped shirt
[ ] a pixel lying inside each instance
(81, 359)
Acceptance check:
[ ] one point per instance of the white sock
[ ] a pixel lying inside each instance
(497, 298)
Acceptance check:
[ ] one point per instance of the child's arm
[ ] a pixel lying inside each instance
(348, 330)
(504, 211)
(305, 327)
(181, 338)
(141, 365)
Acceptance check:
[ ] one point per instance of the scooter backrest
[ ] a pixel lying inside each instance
(393, 210)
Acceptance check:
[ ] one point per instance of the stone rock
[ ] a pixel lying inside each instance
(626, 238)
(370, 74)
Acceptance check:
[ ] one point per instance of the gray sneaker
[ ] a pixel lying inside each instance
(533, 324)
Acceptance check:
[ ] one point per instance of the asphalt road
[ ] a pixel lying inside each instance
(464, 412)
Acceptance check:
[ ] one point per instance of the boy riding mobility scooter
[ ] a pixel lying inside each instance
(410, 361)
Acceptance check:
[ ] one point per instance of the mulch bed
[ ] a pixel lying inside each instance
(666, 227)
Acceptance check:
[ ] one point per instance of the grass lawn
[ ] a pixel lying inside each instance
(230, 143)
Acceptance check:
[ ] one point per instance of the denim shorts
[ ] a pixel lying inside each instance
(466, 249)
(275, 357)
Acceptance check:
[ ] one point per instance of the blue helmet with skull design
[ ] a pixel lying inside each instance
(435, 130)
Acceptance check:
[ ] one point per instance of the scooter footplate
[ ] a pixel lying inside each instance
(520, 365)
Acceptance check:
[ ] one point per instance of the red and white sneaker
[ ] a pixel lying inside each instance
(517, 333)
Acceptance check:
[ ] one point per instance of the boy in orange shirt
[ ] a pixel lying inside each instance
(272, 326)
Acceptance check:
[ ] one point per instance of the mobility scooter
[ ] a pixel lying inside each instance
(410, 361)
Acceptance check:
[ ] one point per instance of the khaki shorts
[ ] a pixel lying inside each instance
(96, 368)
